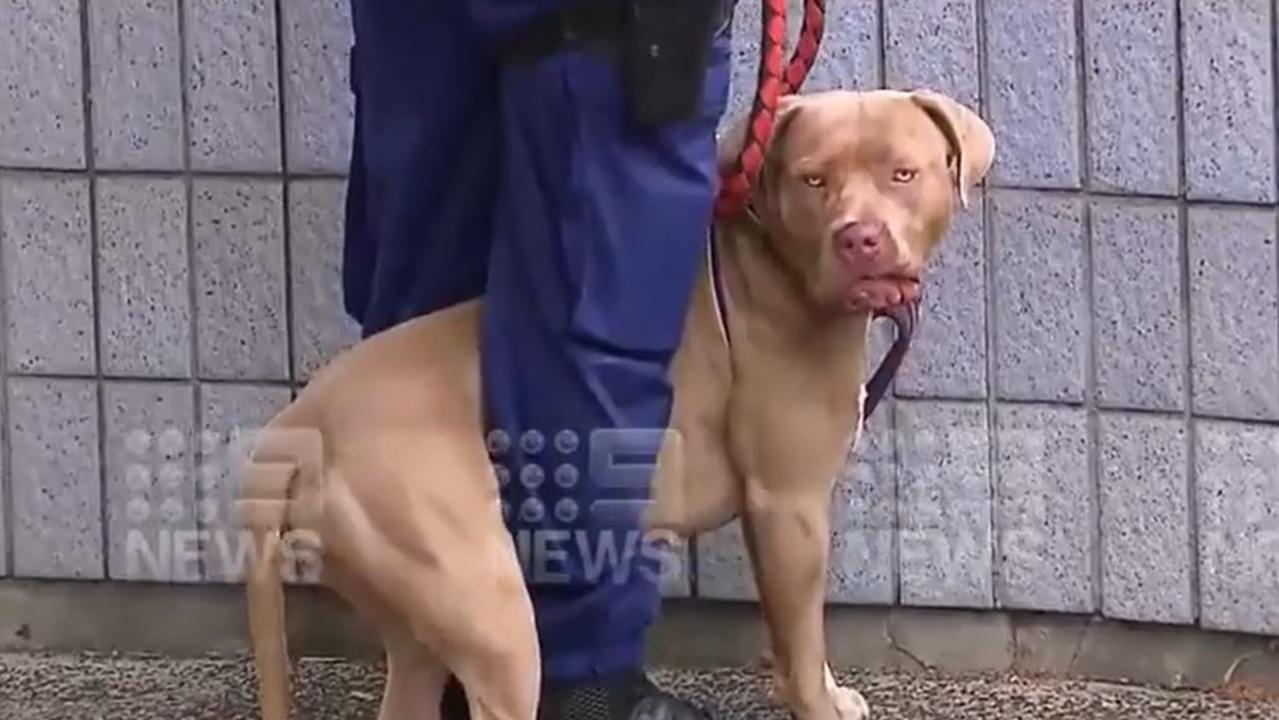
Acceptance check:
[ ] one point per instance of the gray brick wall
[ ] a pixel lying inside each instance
(1089, 422)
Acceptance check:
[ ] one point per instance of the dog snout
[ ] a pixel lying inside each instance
(861, 241)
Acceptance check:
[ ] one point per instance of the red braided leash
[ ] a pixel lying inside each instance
(737, 179)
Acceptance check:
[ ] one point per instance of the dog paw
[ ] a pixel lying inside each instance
(849, 704)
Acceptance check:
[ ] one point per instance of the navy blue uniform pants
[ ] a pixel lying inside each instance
(530, 186)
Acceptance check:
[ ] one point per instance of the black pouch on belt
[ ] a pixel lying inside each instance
(665, 52)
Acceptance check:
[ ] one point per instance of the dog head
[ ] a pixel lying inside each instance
(858, 188)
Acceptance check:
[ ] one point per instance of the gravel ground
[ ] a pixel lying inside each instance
(90, 687)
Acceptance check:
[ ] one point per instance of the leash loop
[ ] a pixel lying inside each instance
(906, 319)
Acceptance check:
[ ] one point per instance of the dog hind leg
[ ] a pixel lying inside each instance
(481, 625)
(424, 532)
(415, 679)
(415, 675)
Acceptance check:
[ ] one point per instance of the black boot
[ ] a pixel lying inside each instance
(628, 697)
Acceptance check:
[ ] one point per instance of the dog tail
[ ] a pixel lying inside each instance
(268, 481)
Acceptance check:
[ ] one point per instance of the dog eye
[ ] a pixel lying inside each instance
(814, 181)
(904, 175)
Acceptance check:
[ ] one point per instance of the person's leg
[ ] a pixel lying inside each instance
(425, 155)
(420, 196)
(598, 236)
(599, 232)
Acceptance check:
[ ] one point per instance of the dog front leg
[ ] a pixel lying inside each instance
(788, 539)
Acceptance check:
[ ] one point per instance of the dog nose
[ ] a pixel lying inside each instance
(860, 238)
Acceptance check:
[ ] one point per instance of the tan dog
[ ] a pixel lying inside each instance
(382, 460)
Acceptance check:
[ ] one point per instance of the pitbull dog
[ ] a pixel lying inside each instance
(381, 460)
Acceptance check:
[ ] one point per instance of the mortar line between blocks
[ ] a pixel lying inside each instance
(286, 205)
(90, 164)
(7, 535)
(988, 248)
(1133, 197)
(193, 298)
(168, 379)
(895, 581)
(1179, 87)
(1274, 113)
(1183, 270)
(1081, 83)
(247, 175)
(1274, 57)
(897, 572)
(286, 226)
(1188, 415)
(1274, 97)
(881, 27)
(955, 400)
(1092, 429)
(155, 173)
(691, 570)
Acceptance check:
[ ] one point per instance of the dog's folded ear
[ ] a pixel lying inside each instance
(733, 137)
(787, 108)
(971, 140)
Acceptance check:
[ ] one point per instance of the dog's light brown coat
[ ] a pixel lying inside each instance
(381, 459)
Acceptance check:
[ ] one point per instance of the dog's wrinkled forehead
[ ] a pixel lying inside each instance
(850, 131)
(855, 130)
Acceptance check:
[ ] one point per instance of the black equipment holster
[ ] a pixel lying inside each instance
(662, 46)
(666, 54)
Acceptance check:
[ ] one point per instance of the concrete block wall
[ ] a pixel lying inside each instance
(1088, 423)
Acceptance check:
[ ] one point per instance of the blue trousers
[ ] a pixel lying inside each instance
(530, 186)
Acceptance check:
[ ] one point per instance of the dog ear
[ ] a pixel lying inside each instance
(971, 141)
(733, 138)
(788, 109)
